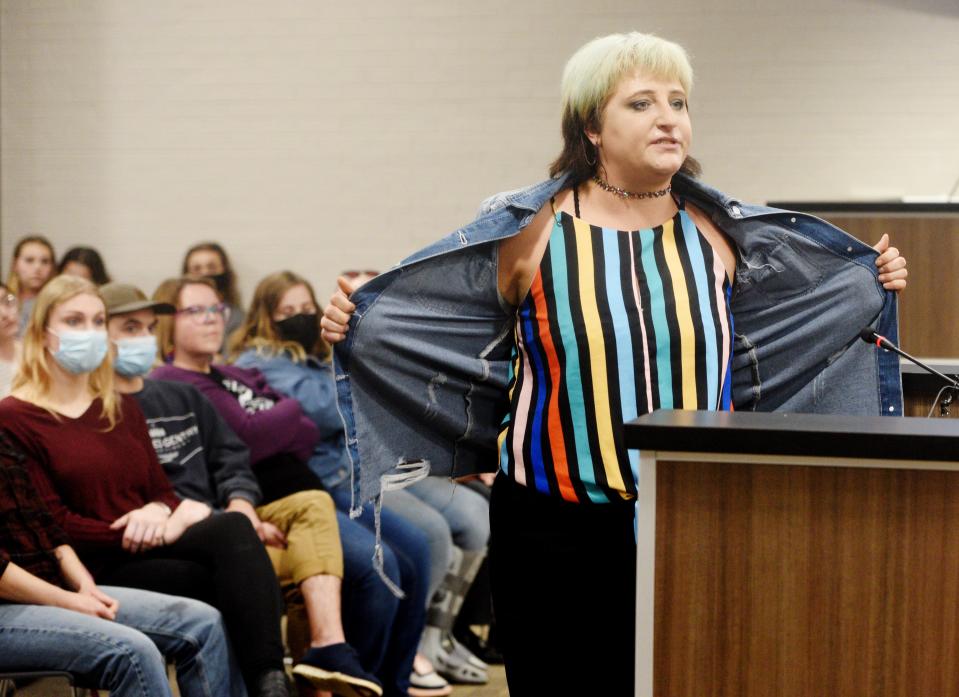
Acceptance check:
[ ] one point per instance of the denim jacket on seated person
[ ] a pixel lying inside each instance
(422, 374)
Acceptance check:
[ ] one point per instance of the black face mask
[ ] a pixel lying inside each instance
(303, 329)
(221, 281)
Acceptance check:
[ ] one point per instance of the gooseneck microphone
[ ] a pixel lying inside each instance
(871, 337)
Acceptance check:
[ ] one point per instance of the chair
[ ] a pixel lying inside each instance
(8, 681)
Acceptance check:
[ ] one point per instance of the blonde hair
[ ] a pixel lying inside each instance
(590, 78)
(34, 377)
(169, 292)
(258, 330)
(13, 281)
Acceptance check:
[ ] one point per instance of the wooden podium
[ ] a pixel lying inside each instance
(795, 555)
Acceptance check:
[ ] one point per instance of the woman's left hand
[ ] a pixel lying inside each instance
(892, 266)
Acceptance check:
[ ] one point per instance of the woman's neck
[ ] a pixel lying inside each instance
(68, 392)
(607, 209)
(8, 349)
(197, 362)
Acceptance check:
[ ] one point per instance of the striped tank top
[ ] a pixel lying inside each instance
(615, 325)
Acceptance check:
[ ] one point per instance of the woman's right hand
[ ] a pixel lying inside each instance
(95, 605)
(336, 316)
(143, 528)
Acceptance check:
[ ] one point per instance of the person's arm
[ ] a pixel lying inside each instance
(79, 528)
(18, 585)
(266, 433)
(160, 490)
(267, 532)
(313, 388)
(227, 457)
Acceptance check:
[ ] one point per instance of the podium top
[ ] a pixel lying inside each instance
(811, 435)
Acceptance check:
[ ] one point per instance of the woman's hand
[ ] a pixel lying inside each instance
(95, 604)
(188, 513)
(268, 533)
(336, 316)
(892, 266)
(143, 528)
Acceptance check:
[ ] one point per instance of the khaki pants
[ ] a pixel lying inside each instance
(308, 519)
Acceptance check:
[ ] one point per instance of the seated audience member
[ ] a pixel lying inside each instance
(84, 262)
(93, 465)
(31, 267)
(280, 439)
(54, 617)
(206, 462)
(209, 259)
(281, 338)
(9, 346)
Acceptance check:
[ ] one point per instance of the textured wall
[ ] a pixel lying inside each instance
(321, 136)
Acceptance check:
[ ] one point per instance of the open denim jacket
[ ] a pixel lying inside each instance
(422, 374)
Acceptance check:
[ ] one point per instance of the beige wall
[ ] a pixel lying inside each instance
(320, 136)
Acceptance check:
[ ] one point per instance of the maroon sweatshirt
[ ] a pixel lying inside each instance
(86, 475)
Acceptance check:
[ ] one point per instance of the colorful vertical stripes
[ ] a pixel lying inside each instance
(616, 324)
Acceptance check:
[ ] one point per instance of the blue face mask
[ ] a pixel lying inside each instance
(81, 351)
(135, 356)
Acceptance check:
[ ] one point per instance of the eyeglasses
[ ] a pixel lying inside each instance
(355, 274)
(8, 301)
(198, 313)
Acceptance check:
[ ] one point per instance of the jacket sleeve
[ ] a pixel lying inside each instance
(228, 458)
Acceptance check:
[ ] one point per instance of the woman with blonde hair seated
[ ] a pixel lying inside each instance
(93, 464)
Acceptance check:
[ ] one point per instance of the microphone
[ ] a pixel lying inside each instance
(871, 337)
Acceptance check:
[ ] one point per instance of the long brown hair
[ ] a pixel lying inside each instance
(169, 292)
(13, 281)
(258, 330)
(34, 377)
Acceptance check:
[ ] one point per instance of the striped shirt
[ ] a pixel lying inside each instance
(615, 325)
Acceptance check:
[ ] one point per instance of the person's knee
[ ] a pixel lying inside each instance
(470, 520)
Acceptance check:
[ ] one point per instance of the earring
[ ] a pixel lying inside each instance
(586, 154)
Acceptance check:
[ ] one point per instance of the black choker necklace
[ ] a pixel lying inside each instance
(622, 193)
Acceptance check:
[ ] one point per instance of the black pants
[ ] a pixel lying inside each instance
(564, 592)
(221, 561)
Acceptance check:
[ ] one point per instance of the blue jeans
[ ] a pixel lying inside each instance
(126, 656)
(383, 629)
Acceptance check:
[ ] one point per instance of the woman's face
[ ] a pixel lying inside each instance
(204, 262)
(33, 266)
(84, 312)
(9, 314)
(645, 132)
(295, 301)
(75, 268)
(199, 321)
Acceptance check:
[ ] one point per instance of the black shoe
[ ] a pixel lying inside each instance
(336, 668)
(272, 683)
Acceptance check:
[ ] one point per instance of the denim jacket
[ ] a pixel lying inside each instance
(422, 374)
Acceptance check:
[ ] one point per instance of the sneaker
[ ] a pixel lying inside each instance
(336, 668)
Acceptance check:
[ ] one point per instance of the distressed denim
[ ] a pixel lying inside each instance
(422, 374)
